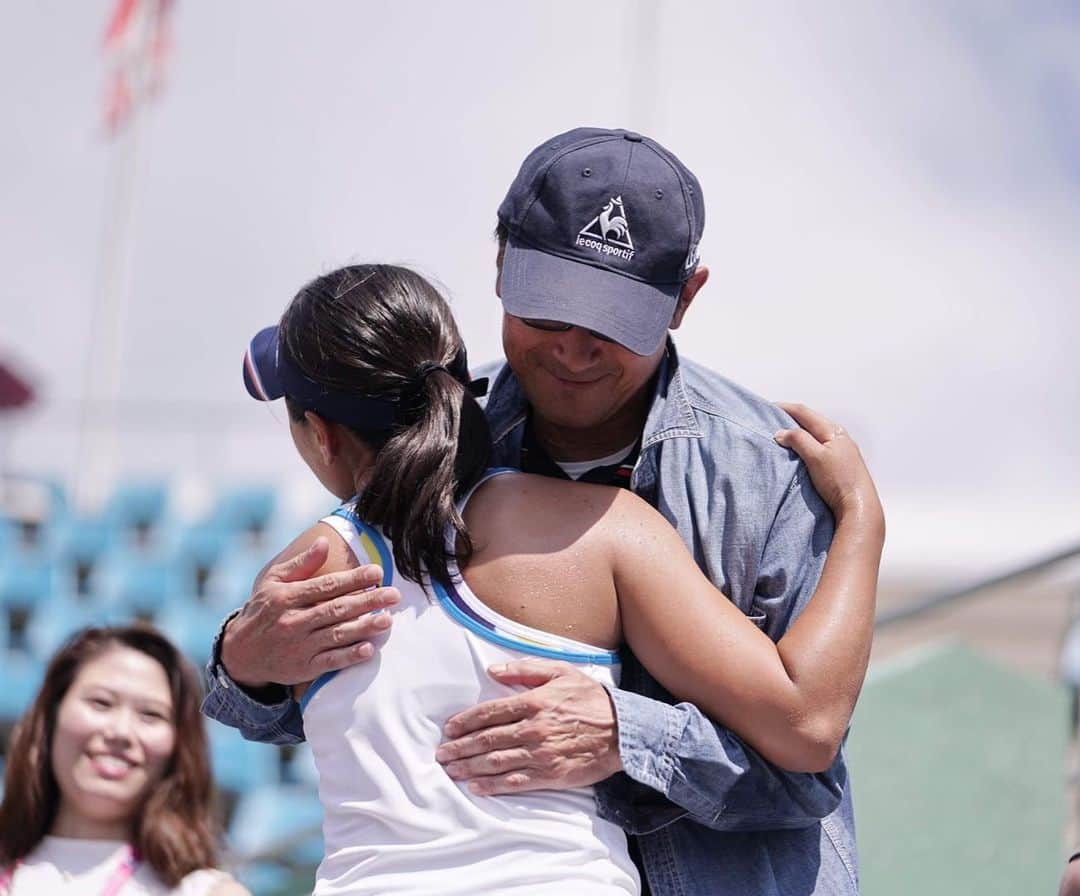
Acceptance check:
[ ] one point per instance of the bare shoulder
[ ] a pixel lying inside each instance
(536, 506)
(524, 514)
(541, 556)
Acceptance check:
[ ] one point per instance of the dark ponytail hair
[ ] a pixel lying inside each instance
(383, 331)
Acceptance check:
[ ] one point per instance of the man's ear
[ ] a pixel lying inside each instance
(498, 268)
(690, 289)
(326, 436)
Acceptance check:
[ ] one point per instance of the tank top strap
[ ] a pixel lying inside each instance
(489, 473)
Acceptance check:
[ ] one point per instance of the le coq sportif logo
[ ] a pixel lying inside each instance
(609, 232)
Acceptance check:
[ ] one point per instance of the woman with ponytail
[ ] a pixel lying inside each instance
(494, 566)
(107, 788)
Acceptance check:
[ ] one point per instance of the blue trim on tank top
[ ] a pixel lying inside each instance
(386, 561)
(610, 658)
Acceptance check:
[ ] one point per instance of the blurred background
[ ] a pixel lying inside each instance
(893, 208)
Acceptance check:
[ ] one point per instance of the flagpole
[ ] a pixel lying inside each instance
(96, 454)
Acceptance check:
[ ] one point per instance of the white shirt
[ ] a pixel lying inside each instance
(394, 821)
(67, 866)
(575, 469)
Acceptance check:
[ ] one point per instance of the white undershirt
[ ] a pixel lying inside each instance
(68, 866)
(575, 469)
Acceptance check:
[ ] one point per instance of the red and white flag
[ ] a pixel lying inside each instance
(137, 44)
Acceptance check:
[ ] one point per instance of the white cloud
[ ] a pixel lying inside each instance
(892, 212)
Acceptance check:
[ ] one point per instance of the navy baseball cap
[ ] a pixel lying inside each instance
(269, 374)
(604, 227)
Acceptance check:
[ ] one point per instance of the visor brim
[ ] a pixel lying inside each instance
(261, 373)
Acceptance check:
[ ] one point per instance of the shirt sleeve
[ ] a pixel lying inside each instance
(677, 762)
(278, 721)
(794, 555)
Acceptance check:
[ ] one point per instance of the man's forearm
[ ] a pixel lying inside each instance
(706, 770)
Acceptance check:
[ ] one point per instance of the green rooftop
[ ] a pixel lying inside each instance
(957, 765)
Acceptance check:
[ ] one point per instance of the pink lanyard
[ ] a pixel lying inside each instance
(123, 872)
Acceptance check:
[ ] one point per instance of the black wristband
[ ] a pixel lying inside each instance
(268, 695)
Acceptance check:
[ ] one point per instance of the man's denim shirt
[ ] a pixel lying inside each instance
(713, 817)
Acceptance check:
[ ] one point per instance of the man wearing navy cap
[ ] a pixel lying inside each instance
(598, 259)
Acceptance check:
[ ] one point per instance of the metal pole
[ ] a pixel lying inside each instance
(105, 353)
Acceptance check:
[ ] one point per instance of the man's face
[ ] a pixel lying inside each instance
(575, 380)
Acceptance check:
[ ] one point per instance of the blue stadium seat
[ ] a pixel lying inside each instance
(197, 549)
(191, 626)
(248, 507)
(58, 617)
(9, 537)
(241, 765)
(21, 675)
(229, 584)
(301, 767)
(203, 544)
(130, 582)
(75, 540)
(136, 505)
(26, 577)
(284, 821)
(34, 500)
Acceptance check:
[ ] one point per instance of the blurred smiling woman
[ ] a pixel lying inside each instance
(108, 789)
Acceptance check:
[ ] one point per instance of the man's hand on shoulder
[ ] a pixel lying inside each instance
(559, 735)
(294, 628)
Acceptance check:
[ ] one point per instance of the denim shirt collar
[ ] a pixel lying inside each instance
(671, 415)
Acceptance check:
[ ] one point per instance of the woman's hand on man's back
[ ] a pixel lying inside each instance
(836, 465)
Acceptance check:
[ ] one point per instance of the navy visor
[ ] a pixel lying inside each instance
(269, 375)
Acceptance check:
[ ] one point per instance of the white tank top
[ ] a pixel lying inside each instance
(394, 822)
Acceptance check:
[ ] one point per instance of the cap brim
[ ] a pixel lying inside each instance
(634, 314)
(261, 375)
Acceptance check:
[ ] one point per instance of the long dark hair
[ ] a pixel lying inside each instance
(385, 332)
(173, 831)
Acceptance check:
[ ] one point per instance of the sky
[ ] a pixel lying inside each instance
(892, 213)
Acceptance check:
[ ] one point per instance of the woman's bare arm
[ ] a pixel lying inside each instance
(791, 700)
